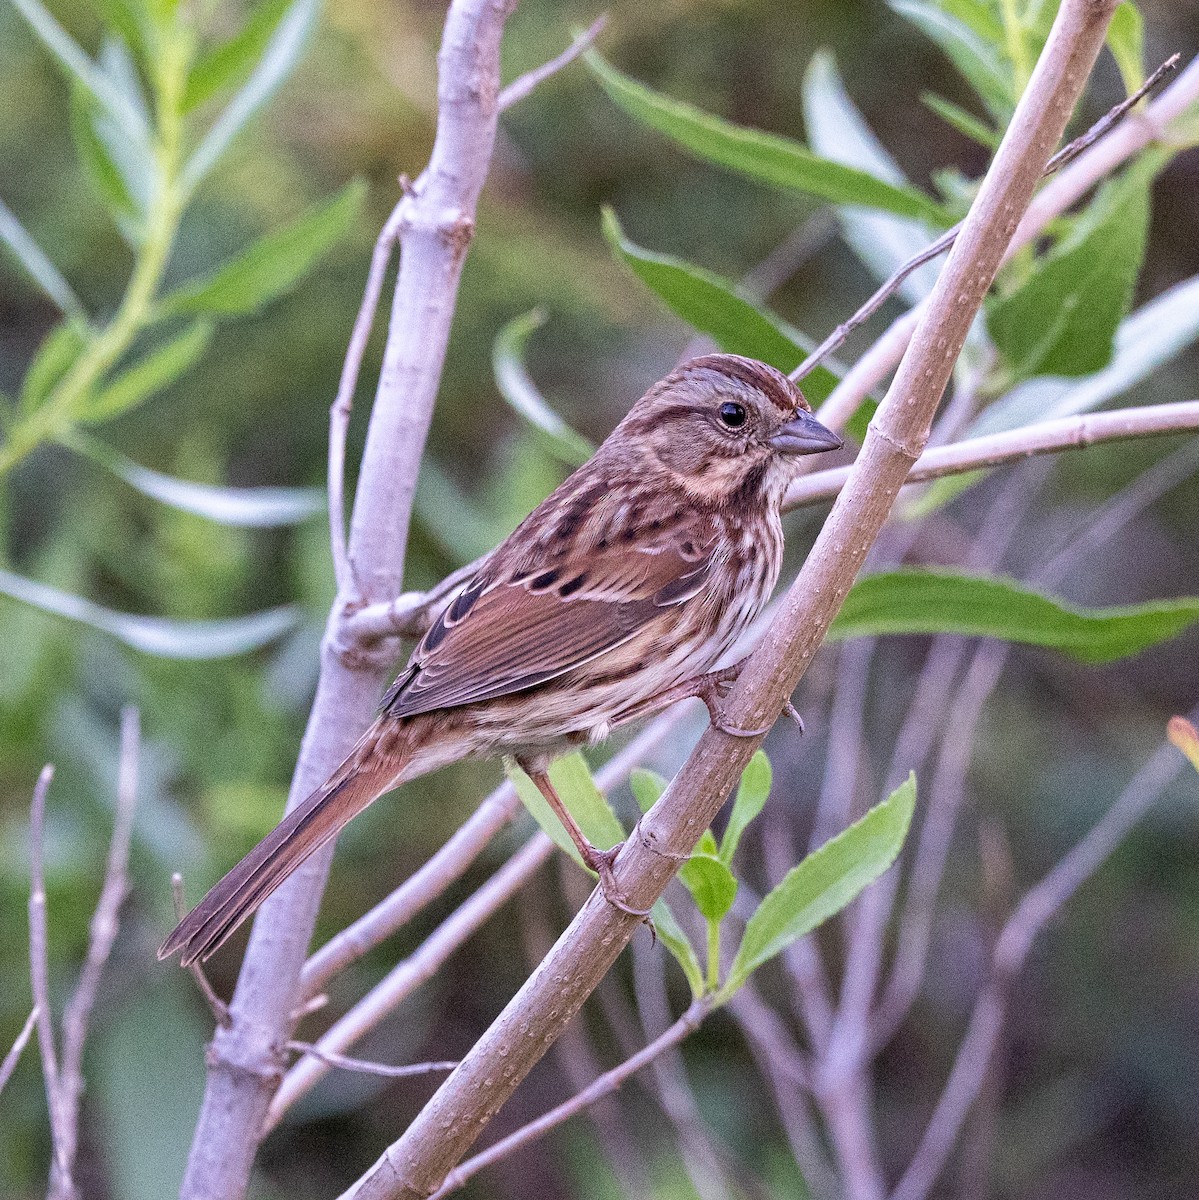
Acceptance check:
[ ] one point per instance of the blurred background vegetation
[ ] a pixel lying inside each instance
(1099, 1074)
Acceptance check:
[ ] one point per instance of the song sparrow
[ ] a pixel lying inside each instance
(612, 599)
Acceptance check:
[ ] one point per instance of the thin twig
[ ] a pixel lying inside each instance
(61, 1183)
(104, 925)
(361, 1065)
(216, 1006)
(519, 88)
(605, 1085)
(938, 247)
(9, 1065)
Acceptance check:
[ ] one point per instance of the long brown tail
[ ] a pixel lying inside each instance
(369, 771)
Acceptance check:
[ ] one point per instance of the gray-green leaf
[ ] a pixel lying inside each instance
(232, 61)
(519, 390)
(647, 786)
(765, 157)
(161, 636)
(932, 601)
(36, 262)
(670, 934)
(273, 265)
(824, 883)
(148, 375)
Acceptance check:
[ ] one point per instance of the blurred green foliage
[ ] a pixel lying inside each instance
(207, 383)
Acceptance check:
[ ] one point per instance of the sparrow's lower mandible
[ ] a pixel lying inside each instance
(615, 597)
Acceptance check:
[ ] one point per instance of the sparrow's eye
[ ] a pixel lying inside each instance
(732, 414)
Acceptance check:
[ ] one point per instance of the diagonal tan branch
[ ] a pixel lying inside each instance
(9, 1065)
(415, 1165)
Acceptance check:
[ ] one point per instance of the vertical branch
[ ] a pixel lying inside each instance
(436, 224)
(414, 1166)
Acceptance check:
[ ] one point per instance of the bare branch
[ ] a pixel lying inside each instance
(363, 1067)
(9, 1065)
(996, 449)
(104, 925)
(518, 89)
(605, 1085)
(418, 1163)
(436, 225)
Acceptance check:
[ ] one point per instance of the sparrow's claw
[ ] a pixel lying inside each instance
(600, 861)
(789, 710)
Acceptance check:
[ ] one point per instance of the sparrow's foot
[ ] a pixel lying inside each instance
(712, 689)
(600, 861)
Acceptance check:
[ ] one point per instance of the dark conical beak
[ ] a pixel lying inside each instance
(803, 434)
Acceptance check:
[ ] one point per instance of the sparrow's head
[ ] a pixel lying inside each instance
(726, 426)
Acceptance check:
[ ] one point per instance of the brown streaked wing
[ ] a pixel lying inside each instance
(503, 637)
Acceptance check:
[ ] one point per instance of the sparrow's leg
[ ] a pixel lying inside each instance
(600, 861)
(711, 688)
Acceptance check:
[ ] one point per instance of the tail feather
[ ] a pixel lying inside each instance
(365, 775)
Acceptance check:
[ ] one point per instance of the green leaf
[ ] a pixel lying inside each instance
(712, 305)
(751, 799)
(1126, 41)
(837, 130)
(148, 376)
(515, 385)
(824, 883)
(711, 884)
(647, 787)
(584, 801)
(1148, 338)
(670, 934)
(55, 357)
(976, 57)
(1064, 319)
(282, 52)
(160, 636)
(274, 264)
(39, 267)
(81, 68)
(965, 123)
(231, 62)
(251, 507)
(101, 171)
(934, 601)
(765, 157)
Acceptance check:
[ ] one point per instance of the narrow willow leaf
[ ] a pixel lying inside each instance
(55, 357)
(160, 636)
(282, 52)
(838, 131)
(765, 157)
(934, 601)
(250, 507)
(147, 376)
(824, 883)
(670, 934)
(752, 793)
(101, 171)
(515, 385)
(584, 801)
(647, 787)
(230, 63)
(273, 265)
(712, 305)
(975, 56)
(965, 123)
(711, 884)
(1126, 41)
(1063, 321)
(80, 67)
(39, 267)
(1183, 734)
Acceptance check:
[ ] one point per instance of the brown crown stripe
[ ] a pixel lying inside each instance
(783, 394)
